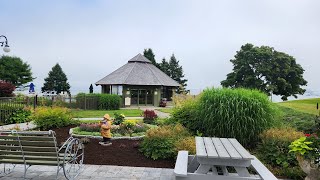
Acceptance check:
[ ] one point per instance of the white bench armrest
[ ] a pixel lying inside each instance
(181, 166)
(264, 173)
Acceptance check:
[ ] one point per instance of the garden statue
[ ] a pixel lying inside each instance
(105, 126)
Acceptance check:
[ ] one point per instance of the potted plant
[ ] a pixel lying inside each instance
(307, 152)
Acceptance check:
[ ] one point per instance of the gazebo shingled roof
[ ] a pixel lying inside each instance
(138, 71)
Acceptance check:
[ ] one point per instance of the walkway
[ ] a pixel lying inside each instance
(21, 126)
(95, 172)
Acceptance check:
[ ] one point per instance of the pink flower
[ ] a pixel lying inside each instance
(307, 135)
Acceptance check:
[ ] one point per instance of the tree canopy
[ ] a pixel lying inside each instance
(148, 53)
(171, 68)
(176, 73)
(15, 71)
(266, 69)
(56, 81)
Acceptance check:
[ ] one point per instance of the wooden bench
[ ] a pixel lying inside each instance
(40, 148)
(186, 164)
(219, 158)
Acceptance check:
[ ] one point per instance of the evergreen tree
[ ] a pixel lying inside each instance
(91, 89)
(56, 80)
(176, 73)
(148, 53)
(164, 67)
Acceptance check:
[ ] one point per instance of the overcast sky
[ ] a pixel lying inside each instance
(90, 39)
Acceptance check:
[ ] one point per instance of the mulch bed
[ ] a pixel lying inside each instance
(121, 152)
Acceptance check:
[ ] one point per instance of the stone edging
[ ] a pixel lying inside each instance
(99, 137)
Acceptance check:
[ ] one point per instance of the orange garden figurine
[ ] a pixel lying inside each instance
(105, 126)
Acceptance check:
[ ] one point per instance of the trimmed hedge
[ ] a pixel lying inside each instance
(99, 101)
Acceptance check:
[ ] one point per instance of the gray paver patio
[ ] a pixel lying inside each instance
(95, 172)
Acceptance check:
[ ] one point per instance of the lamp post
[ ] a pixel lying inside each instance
(5, 44)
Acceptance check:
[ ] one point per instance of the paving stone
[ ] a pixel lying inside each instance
(94, 172)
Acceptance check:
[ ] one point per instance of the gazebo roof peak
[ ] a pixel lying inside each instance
(139, 58)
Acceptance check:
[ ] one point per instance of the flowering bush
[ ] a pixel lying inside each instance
(149, 116)
(90, 127)
(308, 147)
(127, 126)
(118, 118)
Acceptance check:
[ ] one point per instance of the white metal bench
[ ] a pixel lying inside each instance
(213, 159)
(40, 148)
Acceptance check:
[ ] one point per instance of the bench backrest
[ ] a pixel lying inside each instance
(28, 145)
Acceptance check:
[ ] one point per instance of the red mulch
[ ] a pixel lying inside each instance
(121, 152)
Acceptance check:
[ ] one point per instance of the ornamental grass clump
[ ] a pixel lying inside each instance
(235, 113)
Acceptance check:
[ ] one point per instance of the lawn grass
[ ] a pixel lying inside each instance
(305, 105)
(300, 120)
(100, 113)
(168, 110)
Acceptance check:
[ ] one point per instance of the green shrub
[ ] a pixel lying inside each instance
(159, 143)
(118, 118)
(52, 117)
(20, 116)
(186, 144)
(234, 113)
(186, 114)
(274, 147)
(274, 151)
(9, 110)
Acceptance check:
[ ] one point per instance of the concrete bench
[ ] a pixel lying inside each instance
(40, 148)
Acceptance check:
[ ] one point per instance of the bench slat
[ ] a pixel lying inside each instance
(29, 138)
(221, 150)
(40, 158)
(39, 149)
(4, 147)
(31, 162)
(9, 142)
(211, 151)
(181, 167)
(231, 150)
(200, 148)
(30, 153)
(241, 150)
(28, 143)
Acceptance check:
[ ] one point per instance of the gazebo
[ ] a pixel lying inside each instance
(139, 83)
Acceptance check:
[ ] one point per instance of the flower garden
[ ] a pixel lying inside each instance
(285, 140)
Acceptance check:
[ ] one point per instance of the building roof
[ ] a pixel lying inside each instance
(138, 71)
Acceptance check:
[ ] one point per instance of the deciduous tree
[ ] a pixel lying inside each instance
(266, 69)
(15, 71)
(56, 81)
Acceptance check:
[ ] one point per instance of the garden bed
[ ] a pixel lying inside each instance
(122, 152)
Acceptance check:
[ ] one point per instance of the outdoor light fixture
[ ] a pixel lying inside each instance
(5, 44)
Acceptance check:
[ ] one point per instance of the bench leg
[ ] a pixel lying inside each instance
(26, 167)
